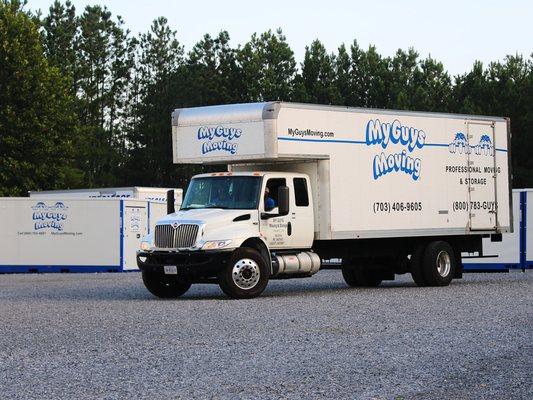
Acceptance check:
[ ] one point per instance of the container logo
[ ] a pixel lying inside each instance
(219, 138)
(49, 217)
(384, 134)
(460, 145)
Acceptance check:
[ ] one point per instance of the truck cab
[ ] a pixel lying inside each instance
(237, 229)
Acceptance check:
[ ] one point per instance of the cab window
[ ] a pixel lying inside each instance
(270, 197)
(301, 194)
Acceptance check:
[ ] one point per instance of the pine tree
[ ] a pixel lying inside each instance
(318, 76)
(160, 60)
(212, 75)
(343, 76)
(59, 30)
(268, 67)
(105, 57)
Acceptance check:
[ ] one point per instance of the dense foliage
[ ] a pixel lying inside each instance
(83, 103)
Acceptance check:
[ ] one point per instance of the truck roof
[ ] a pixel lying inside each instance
(247, 112)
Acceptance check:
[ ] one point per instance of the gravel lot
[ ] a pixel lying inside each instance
(95, 336)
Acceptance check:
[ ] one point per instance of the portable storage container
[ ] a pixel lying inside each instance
(64, 234)
(515, 251)
(135, 192)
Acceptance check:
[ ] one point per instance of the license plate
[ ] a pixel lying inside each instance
(171, 270)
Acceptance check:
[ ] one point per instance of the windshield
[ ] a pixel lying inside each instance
(232, 192)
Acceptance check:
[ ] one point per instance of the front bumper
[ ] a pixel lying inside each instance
(193, 264)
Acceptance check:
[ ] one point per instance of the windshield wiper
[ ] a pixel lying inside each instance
(221, 207)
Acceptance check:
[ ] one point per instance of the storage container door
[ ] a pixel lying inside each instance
(482, 176)
(135, 228)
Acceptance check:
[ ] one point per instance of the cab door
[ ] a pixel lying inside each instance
(296, 229)
(301, 213)
(276, 231)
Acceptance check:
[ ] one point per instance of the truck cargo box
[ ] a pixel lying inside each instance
(374, 173)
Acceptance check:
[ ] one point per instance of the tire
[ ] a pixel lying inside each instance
(439, 263)
(246, 274)
(165, 286)
(416, 265)
(355, 276)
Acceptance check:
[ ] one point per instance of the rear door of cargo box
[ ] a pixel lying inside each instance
(482, 175)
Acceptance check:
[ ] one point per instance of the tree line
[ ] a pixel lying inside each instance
(84, 103)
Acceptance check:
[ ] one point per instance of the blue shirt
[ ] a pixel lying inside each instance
(269, 203)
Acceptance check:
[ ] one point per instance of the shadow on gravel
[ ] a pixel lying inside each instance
(53, 289)
(77, 294)
(197, 292)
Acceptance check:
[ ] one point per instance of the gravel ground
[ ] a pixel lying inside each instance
(96, 336)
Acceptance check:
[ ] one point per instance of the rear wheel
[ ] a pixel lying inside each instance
(439, 263)
(356, 276)
(246, 274)
(165, 286)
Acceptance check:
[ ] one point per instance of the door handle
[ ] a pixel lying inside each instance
(289, 228)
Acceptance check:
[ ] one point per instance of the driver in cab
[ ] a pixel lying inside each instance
(270, 204)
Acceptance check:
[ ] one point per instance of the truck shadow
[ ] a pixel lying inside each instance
(288, 288)
(135, 291)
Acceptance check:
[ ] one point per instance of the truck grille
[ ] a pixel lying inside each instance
(168, 237)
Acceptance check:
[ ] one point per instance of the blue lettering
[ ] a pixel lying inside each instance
(208, 134)
(379, 133)
(49, 216)
(396, 162)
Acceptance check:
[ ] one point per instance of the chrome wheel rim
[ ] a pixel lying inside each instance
(245, 273)
(444, 263)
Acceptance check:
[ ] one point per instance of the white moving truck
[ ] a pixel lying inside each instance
(388, 192)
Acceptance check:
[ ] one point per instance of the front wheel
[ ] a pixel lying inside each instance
(246, 274)
(165, 286)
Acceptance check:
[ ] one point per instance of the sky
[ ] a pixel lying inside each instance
(454, 32)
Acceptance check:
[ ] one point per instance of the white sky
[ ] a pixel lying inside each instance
(454, 32)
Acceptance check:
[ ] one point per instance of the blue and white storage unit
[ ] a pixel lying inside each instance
(74, 234)
(515, 251)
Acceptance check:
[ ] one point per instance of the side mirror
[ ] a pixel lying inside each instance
(170, 202)
(283, 200)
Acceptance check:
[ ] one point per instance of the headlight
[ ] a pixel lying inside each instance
(216, 244)
(146, 246)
